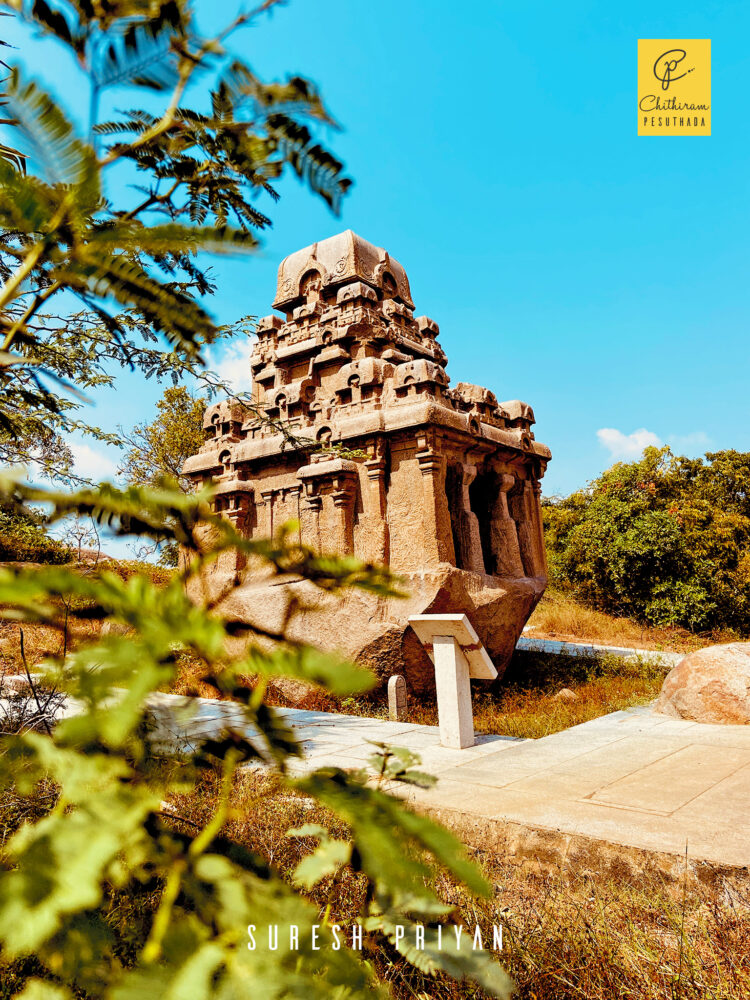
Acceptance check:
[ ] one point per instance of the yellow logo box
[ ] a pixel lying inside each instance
(674, 86)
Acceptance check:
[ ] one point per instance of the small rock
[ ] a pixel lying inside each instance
(116, 628)
(15, 683)
(565, 694)
(710, 685)
(297, 693)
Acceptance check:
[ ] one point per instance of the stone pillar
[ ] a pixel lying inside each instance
(437, 539)
(526, 530)
(534, 494)
(504, 535)
(310, 517)
(470, 537)
(340, 479)
(374, 504)
(374, 501)
(239, 514)
(265, 513)
(295, 492)
(343, 500)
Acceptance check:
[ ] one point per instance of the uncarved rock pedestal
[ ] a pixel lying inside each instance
(455, 650)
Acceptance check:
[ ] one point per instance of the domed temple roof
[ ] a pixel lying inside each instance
(339, 260)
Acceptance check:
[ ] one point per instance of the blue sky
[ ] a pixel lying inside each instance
(599, 276)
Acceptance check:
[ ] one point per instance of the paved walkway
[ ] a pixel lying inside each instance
(531, 643)
(632, 778)
(635, 779)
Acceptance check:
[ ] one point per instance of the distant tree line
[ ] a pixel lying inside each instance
(665, 540)
(24, 537)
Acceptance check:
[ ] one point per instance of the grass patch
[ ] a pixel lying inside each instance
(41, 641)
(524, 703)
(566, 935)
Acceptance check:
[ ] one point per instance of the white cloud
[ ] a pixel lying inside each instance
(92, 464)
(233, 365)
(627, 446)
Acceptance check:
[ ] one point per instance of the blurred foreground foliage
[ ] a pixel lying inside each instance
(109, 831)
(664, 540)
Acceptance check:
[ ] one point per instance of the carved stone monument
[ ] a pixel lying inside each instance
(447, 490)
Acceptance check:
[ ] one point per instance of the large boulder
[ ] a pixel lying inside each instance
(710, 685)
(374, 631)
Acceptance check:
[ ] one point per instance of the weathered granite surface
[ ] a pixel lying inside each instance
(710, 685)
(446, 491)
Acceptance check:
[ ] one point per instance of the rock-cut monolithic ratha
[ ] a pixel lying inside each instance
(445, 490)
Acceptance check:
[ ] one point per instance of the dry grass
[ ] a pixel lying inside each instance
(522, 705)
(524, 702)
(42, 641)
(532, 713)
(560, 616)
(566, 935)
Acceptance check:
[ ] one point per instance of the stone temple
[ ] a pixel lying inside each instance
(444, 486)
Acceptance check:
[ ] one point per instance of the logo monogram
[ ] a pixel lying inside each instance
(665, 66)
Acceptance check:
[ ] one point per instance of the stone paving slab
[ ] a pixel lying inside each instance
(530, 643)
(633, 778)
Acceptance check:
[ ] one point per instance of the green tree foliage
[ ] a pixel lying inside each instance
(74, 354)
(135, 267)
(665, 540)
(9, 153)
(157, 451)
(23, 538)
(108, 831)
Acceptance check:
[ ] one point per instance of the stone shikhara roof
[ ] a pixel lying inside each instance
(351, 359)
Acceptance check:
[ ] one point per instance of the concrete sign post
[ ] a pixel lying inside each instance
(455, 716)
(454, 647)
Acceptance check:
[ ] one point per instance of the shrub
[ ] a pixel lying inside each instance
(23, 538)
(665, 540)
